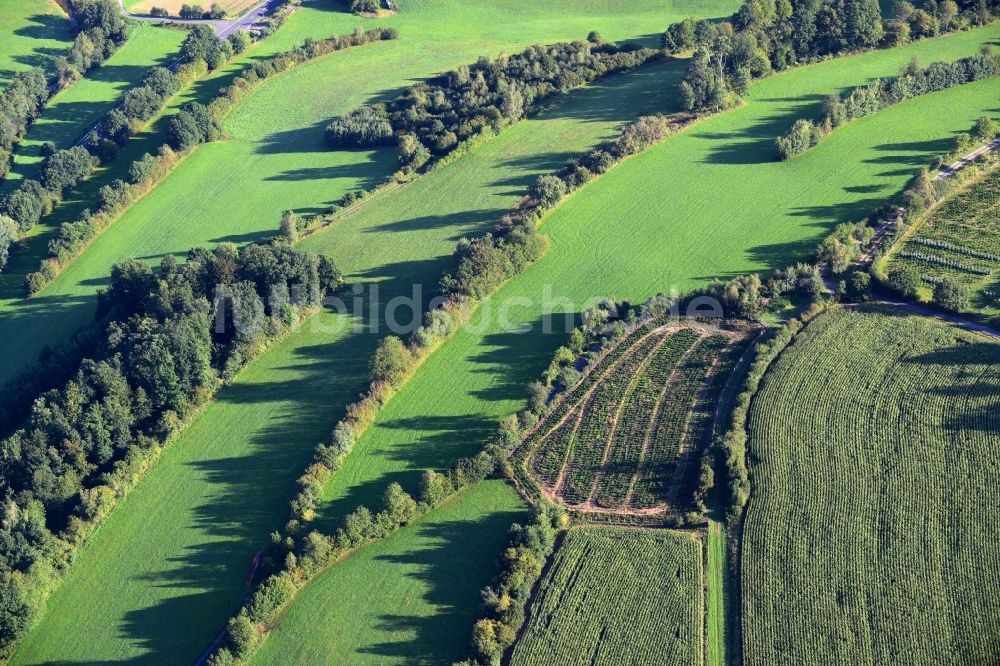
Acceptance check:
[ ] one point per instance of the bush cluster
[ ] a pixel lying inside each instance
(192, 11)
(505, 600)
(881, 93)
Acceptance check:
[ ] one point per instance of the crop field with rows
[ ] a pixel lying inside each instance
(648, 612)
(960, 239)
(870, 535)
(614, 440)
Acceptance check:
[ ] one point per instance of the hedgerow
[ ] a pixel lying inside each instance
(881, 93)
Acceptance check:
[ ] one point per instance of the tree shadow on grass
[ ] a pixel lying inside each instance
(460, 559)
(466, 224)
(250, 491)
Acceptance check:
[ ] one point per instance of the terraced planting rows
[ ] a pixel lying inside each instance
(869, 538)
(649, 611)
(624, 425)
(960, 239)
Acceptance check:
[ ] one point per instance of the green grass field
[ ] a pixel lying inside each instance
(276, 158)
(720, 604)
(34, 32)
(115, 604)
(617, 596)
(74, 111)
(710, 202)
(288, 401)
(958, 240)
(869, 536)
(410, 598)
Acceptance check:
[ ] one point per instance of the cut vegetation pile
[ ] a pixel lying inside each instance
(870, 533)
(617, 596)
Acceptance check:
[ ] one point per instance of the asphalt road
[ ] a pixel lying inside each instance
(223, 28)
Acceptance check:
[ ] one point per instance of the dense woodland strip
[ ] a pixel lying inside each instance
(881, 93)
(772, 35)
(171, 339)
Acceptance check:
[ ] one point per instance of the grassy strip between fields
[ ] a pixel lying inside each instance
(441, 324)
(88, 229)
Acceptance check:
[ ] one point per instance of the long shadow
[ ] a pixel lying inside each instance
(238, 514)
(460, 560)
(462, 220)
(44, 26)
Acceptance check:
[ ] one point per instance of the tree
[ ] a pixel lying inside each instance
(8, 236)
(797, 141)
(192, 125)
(400, 507)
(65, 168)
(549, 190)
(905, 280)
(390, 361)
(290, 226)
(859, 287)
(951, 294)
(26, 204)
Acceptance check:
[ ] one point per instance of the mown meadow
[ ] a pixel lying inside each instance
(34, 31)
(869, 534)
(410, 598)
(275, 157)
(207, 474)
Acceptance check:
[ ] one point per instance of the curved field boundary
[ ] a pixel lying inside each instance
(584, 455)
(874, 439)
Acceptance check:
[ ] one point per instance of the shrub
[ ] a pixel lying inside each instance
(951, 295)
(363, 127)
(390, 361)
(141, 169)
(797, 141)
(548, 190)
(905, 280)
